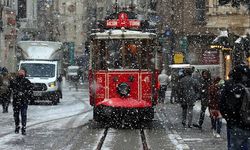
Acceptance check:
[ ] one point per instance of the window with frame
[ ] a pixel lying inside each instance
(200, 10)
(215, 9)
(22, 8)
(123, 54)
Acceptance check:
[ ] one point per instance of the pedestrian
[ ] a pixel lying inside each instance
(174, 87)
(164, 81)
(213, 105)
(22, 93)
(205, 83)
(189, 88)
(197, 75)
(59, 80)
(235, 95)
(5, 93)
(179, 92)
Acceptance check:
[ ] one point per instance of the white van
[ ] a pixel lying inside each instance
(72, 71)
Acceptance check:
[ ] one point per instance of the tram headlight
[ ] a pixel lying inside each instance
(123, 89)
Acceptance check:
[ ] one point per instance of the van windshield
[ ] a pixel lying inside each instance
(39, 70)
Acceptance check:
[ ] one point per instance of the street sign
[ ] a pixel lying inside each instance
(178, 58)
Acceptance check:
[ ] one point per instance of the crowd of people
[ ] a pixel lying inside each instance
(228, 99)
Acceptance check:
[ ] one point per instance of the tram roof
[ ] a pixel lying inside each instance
(122, 34)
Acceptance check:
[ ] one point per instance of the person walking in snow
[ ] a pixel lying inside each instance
(22, 93)
(233, 94)
(213, 105)
(5, 93)
(163, 80)
(189, 88)
(205, 83)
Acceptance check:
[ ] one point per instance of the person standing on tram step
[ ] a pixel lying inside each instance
(5, 93)
(22, 93)
(189, 88)
(205, 83)
(163, 81)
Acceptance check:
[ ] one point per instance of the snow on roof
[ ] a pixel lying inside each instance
(39, 49)
(73, 67)
(239, 40)
(180, 66)
(223, 33)
(123, 34)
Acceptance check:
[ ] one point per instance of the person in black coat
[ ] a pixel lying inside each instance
(189, 88)
(5, 94)
(22, 93)
(230, 105)
(204, 83)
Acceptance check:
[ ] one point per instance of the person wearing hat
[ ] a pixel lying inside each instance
(22, 93)
(231, 100)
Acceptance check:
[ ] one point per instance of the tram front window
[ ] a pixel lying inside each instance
(123, 54)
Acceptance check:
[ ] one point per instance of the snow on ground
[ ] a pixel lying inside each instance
(73, 103)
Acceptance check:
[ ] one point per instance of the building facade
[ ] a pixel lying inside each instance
(8, 33)
(235, 20)
(200, 21)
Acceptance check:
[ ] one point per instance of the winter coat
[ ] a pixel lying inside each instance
(188, 90)
(205, 83)
(230, 105)
(22, 90)
(213, 97)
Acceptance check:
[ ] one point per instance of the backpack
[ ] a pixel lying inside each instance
(245, 107)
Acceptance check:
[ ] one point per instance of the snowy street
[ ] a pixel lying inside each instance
(69, 126)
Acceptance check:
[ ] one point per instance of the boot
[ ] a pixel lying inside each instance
(197, 126)
(17, 129)
(23, 130)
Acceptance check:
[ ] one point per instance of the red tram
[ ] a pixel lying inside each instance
(123, 70)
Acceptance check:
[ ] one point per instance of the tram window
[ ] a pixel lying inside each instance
(114, 60)
(123, 54)
(131, 55)
(147, 61)
(101, 56)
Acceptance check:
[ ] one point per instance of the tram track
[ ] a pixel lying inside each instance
(101, 141)
(143, 139)
(141, 134)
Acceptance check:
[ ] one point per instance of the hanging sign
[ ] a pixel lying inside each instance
(123, 21)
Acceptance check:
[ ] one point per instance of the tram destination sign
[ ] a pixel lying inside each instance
(123, 21)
